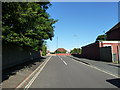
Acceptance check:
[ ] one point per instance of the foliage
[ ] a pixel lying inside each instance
(44, 49)
(75, 51)
(60, 52)
(26, 23)
(101, 38)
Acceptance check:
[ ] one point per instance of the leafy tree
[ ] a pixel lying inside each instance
(44, 49)
(75, 51)
(26, 23)
(60, 52)
(101, 38)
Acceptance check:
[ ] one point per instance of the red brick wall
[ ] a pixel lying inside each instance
(91, 51)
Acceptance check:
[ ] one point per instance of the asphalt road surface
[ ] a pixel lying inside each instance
(63, 72)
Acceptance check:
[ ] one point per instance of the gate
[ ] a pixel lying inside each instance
(106, 54)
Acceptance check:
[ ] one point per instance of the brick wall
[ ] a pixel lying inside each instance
(13, 55)
(91, 51)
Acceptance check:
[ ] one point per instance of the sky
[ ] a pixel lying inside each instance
(79, 23)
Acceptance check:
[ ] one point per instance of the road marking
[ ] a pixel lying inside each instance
(60, 57)
(33, 79)
(21, 84)
(64, 62)
(99, 69)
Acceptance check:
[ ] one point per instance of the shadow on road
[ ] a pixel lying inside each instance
(115, 65)
(115, 82)
(81, 56)
(6, 73)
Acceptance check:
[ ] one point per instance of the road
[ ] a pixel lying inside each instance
(63, 72)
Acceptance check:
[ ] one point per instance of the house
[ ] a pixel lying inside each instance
(105, 50)
(60, 50)
(48, 52)
(114, 33)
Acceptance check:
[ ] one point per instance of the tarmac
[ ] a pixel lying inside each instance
(106, 66)
(12, 77)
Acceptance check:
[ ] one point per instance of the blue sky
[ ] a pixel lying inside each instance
(80, 22)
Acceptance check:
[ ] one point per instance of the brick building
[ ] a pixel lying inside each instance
(105, 50)
(102, 50)
(60, 50)
(114, 33)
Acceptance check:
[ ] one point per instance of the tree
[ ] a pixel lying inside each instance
(101, 38)
(26, 23)
(75, 51)
(44, 49)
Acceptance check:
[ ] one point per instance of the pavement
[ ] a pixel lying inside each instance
(106, 66)
(14, 76)
(64, 72)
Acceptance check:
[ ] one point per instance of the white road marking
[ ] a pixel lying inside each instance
(33, 79)
(20, 85)
(99, 69)
(64, 62)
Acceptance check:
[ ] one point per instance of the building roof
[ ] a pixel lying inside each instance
(61, 49)
(114, 28)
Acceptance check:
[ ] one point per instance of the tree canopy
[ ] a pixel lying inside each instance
(44, 49)
(101, 38)
(76, 51)
(27, 23)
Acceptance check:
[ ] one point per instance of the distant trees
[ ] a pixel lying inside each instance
(76, 51)
(101, 38)
(60, 51)
(26, 24)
